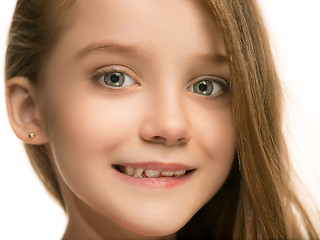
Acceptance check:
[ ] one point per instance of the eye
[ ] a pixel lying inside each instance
(209, 87)
(117, 79)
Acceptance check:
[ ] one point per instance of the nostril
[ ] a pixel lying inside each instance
(159, 139)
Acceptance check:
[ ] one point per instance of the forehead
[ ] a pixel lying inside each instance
(174, 27)
(144, 19)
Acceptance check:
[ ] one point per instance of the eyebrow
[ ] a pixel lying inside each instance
(112, 46)
(216, 58)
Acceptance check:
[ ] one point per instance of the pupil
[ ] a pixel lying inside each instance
(114, 78)
(203, 87)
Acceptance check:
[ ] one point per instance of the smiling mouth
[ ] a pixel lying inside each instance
(149, 173)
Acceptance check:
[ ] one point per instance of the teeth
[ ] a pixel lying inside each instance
(167, 174)
(152, 173)
(179, 173)
(138, 173)
(129, 171)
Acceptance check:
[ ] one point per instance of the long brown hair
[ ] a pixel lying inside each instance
(258, 199)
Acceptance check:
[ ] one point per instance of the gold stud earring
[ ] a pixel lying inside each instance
(31, 135)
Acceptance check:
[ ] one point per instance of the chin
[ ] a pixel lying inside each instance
(157, 231)
(156, 228)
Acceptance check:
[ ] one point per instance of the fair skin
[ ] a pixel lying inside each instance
(162, 118)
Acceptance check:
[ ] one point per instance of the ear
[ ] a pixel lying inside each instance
(23, 111)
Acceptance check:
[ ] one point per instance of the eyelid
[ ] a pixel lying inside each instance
(98, 73)
(112, 68)
(213, 78)
(223, 85)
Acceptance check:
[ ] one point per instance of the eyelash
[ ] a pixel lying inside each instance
(223, 85)
(96, 75)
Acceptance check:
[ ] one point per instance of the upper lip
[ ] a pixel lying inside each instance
(159, 166)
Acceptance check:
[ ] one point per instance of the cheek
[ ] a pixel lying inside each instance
(213, 128)
(86, 131)
(216, 145)
(88, 123)
(218, 141)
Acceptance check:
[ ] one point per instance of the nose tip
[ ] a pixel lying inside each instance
(166, 117)
(167, 130)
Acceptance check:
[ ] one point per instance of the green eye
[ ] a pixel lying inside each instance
(117, 79)
(114, 79)
(208, 87)
(203, 87)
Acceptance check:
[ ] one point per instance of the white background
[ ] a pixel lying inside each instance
(27, 211)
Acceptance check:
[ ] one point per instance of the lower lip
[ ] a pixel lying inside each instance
(160, 182)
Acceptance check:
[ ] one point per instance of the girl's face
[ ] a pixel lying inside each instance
(140, 88)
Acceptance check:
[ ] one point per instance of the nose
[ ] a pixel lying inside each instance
(165, 123)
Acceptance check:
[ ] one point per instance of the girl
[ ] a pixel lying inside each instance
(153, 119)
